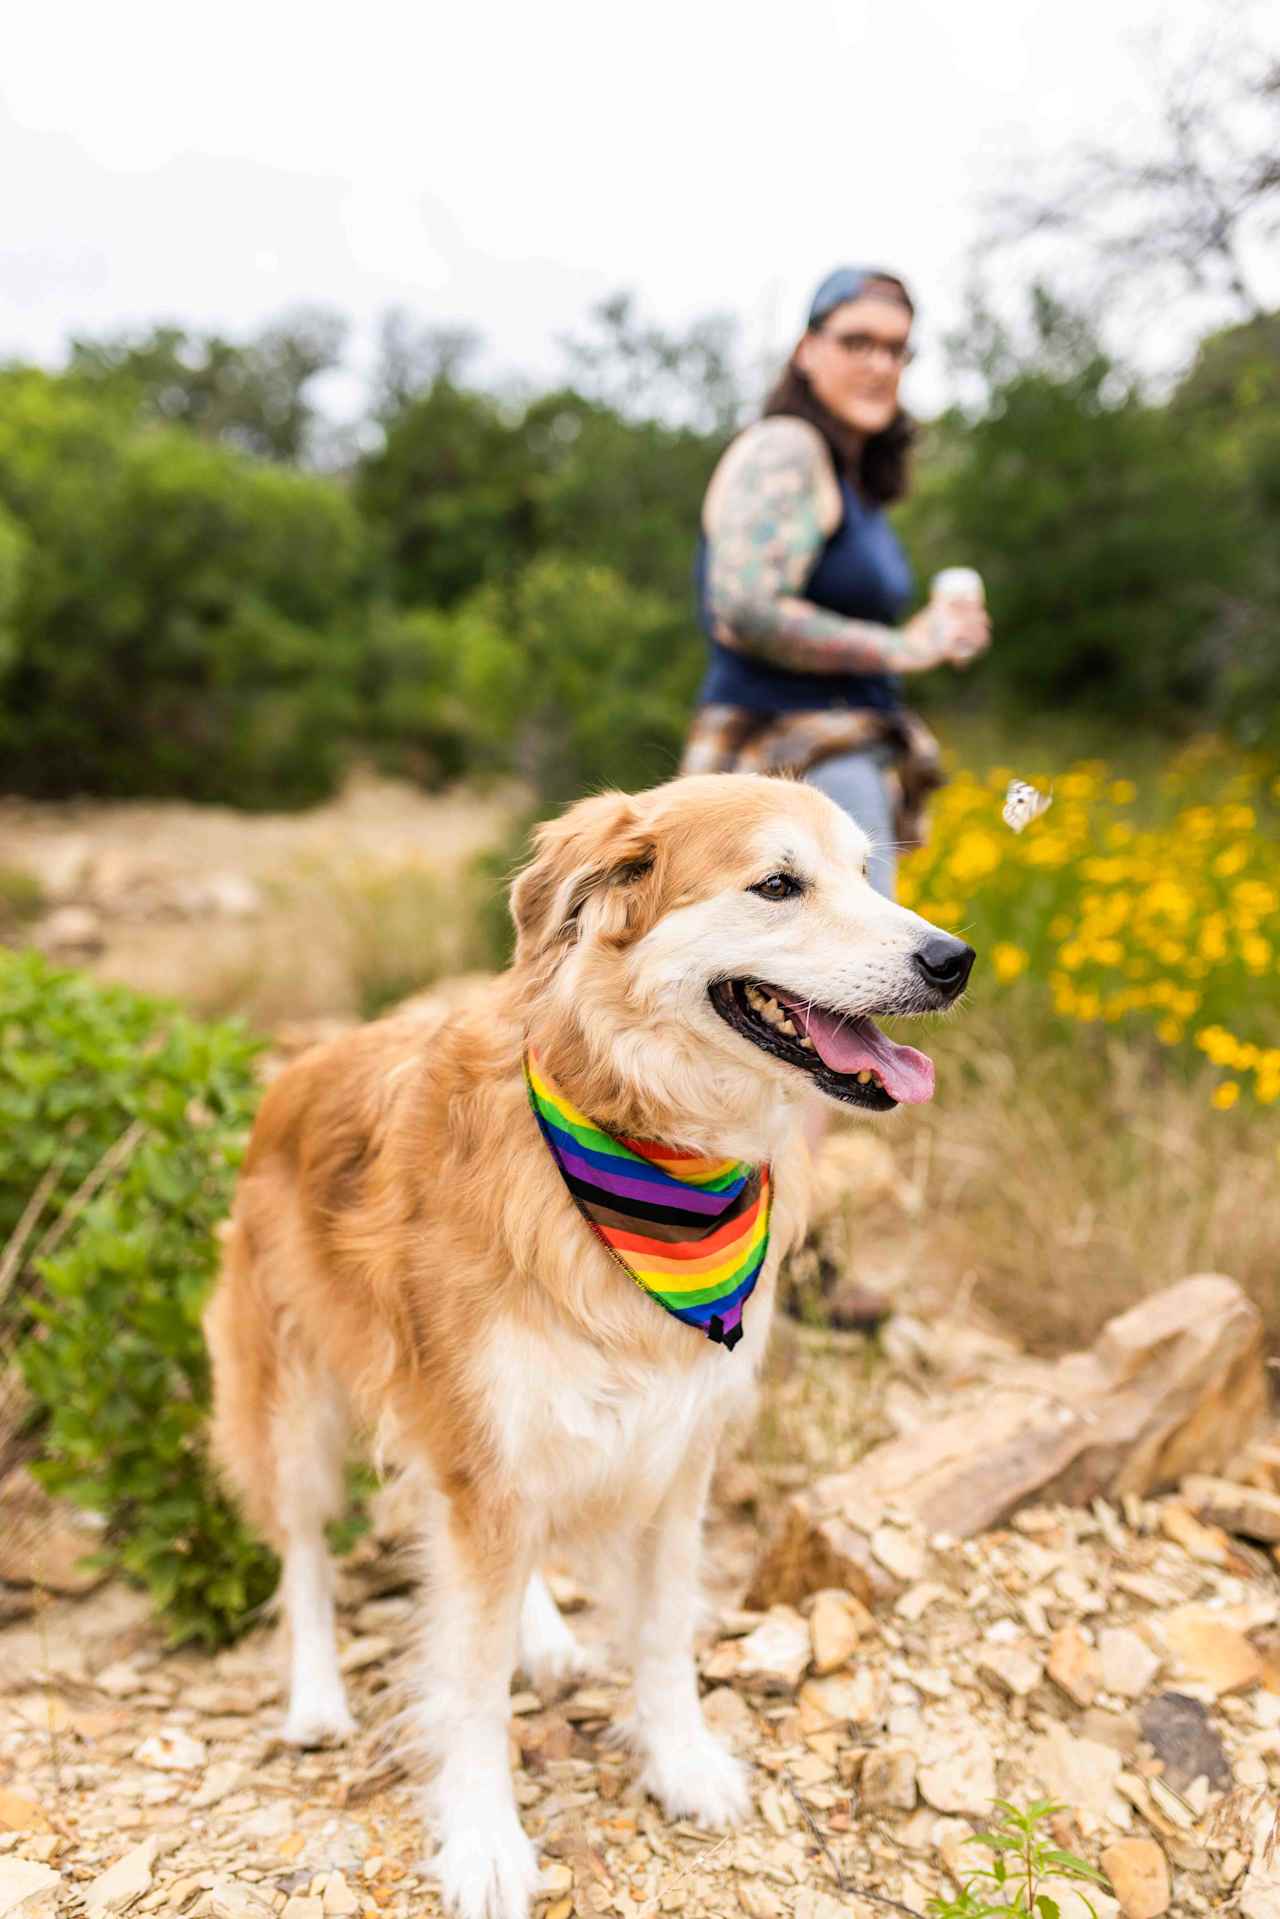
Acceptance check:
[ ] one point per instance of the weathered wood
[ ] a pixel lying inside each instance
(1174, 1386)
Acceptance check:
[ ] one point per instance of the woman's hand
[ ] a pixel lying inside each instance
(945, 632)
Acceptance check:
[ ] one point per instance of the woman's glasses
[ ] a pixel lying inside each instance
(863, 346)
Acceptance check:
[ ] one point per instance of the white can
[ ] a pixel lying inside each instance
(958, 583)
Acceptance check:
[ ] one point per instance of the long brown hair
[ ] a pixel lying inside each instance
(879, 465)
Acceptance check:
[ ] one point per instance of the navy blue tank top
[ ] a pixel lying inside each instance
(861, 572)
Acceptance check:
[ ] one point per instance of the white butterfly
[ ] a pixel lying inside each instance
(1023, 803)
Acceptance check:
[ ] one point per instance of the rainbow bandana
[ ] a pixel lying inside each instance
(693, 1232)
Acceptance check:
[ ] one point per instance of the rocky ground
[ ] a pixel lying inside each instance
(1123, 1659)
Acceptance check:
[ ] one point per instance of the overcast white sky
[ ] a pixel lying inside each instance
(508, 165)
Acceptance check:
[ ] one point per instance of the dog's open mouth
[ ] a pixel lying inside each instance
(849, 1058)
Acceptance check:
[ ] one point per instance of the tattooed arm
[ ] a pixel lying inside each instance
(772, 505)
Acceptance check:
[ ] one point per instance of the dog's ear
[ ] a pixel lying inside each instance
(600, 846)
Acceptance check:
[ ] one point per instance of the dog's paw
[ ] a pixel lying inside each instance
(318, 1719)
(549, 1656)
(486, 1872)
(556, 1662)
(702, 1781)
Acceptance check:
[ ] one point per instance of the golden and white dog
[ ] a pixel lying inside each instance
(404, 1255)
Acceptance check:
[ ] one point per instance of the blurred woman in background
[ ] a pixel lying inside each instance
(802, 583)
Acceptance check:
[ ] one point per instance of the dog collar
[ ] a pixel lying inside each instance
(692, 1232)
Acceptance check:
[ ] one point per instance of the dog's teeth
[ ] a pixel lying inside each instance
(864, 1077)
(806, 1041)
(785, 1026)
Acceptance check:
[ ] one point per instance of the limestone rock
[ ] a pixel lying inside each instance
(28, 1890)
(888, 1779)
(1247, 1510)
(1014, 1668)
(1208, 1649)
(1128, 1663)
(20, 1814)
(957, 1771)
(1074, 1665)
(773, 1658)
(856, 1698)
(836, 1624)
(1139, 1875)
(116, 1889)
(1208, 1544)
(1175, 1385)
(1080, 1772)
(172, 1750)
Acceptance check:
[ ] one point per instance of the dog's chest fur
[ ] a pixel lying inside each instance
(573, 1426)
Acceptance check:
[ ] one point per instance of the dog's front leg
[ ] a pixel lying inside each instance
(688, 1771)
(477, 1564)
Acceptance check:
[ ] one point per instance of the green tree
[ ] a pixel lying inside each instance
(572, 678)
(1093, 516)
(187, 620)
(253, 396)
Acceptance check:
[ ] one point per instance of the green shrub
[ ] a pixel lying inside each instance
(132, 1118)
(175, 618)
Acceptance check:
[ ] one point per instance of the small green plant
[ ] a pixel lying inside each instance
(1021, 1861)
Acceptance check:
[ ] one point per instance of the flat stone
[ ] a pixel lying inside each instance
(1080, 1772)
(957, 1771)
(1179, 1732)
(120, 1885)
(901, 1553)
(1208, 1544)
(172, 1750)
(888, 1779)
(27, 1888)
(338, 1898)
(1128, 1663)
(1139, 1875)
(1074, 1665)
(1208, 1649)
(836, 1624)
(1246, 1510)
(1015, 1668)
(20, 1815)
(775, 1656)
(856, 1698)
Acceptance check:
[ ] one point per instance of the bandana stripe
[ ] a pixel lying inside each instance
(692, 1231)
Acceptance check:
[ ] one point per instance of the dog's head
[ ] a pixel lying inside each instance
(716, 938)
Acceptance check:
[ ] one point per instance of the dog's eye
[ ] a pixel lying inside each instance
(778, 886)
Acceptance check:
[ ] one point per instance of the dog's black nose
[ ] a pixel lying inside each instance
(945, 963)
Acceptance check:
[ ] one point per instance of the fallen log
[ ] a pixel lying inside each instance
(1174, 1386)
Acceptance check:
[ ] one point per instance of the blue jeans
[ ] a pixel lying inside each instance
(856, 782)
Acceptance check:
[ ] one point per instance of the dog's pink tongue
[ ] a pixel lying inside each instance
(852, 1045)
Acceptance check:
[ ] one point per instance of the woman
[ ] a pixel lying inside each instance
(802, 583)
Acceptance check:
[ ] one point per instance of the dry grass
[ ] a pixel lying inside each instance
(1059, 1182)
(342, 937)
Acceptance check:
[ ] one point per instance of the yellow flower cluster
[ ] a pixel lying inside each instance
(1159, 906)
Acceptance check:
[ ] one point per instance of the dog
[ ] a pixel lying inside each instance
(407, 1254)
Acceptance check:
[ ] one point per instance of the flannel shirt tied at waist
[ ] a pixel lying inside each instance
(733, 739)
